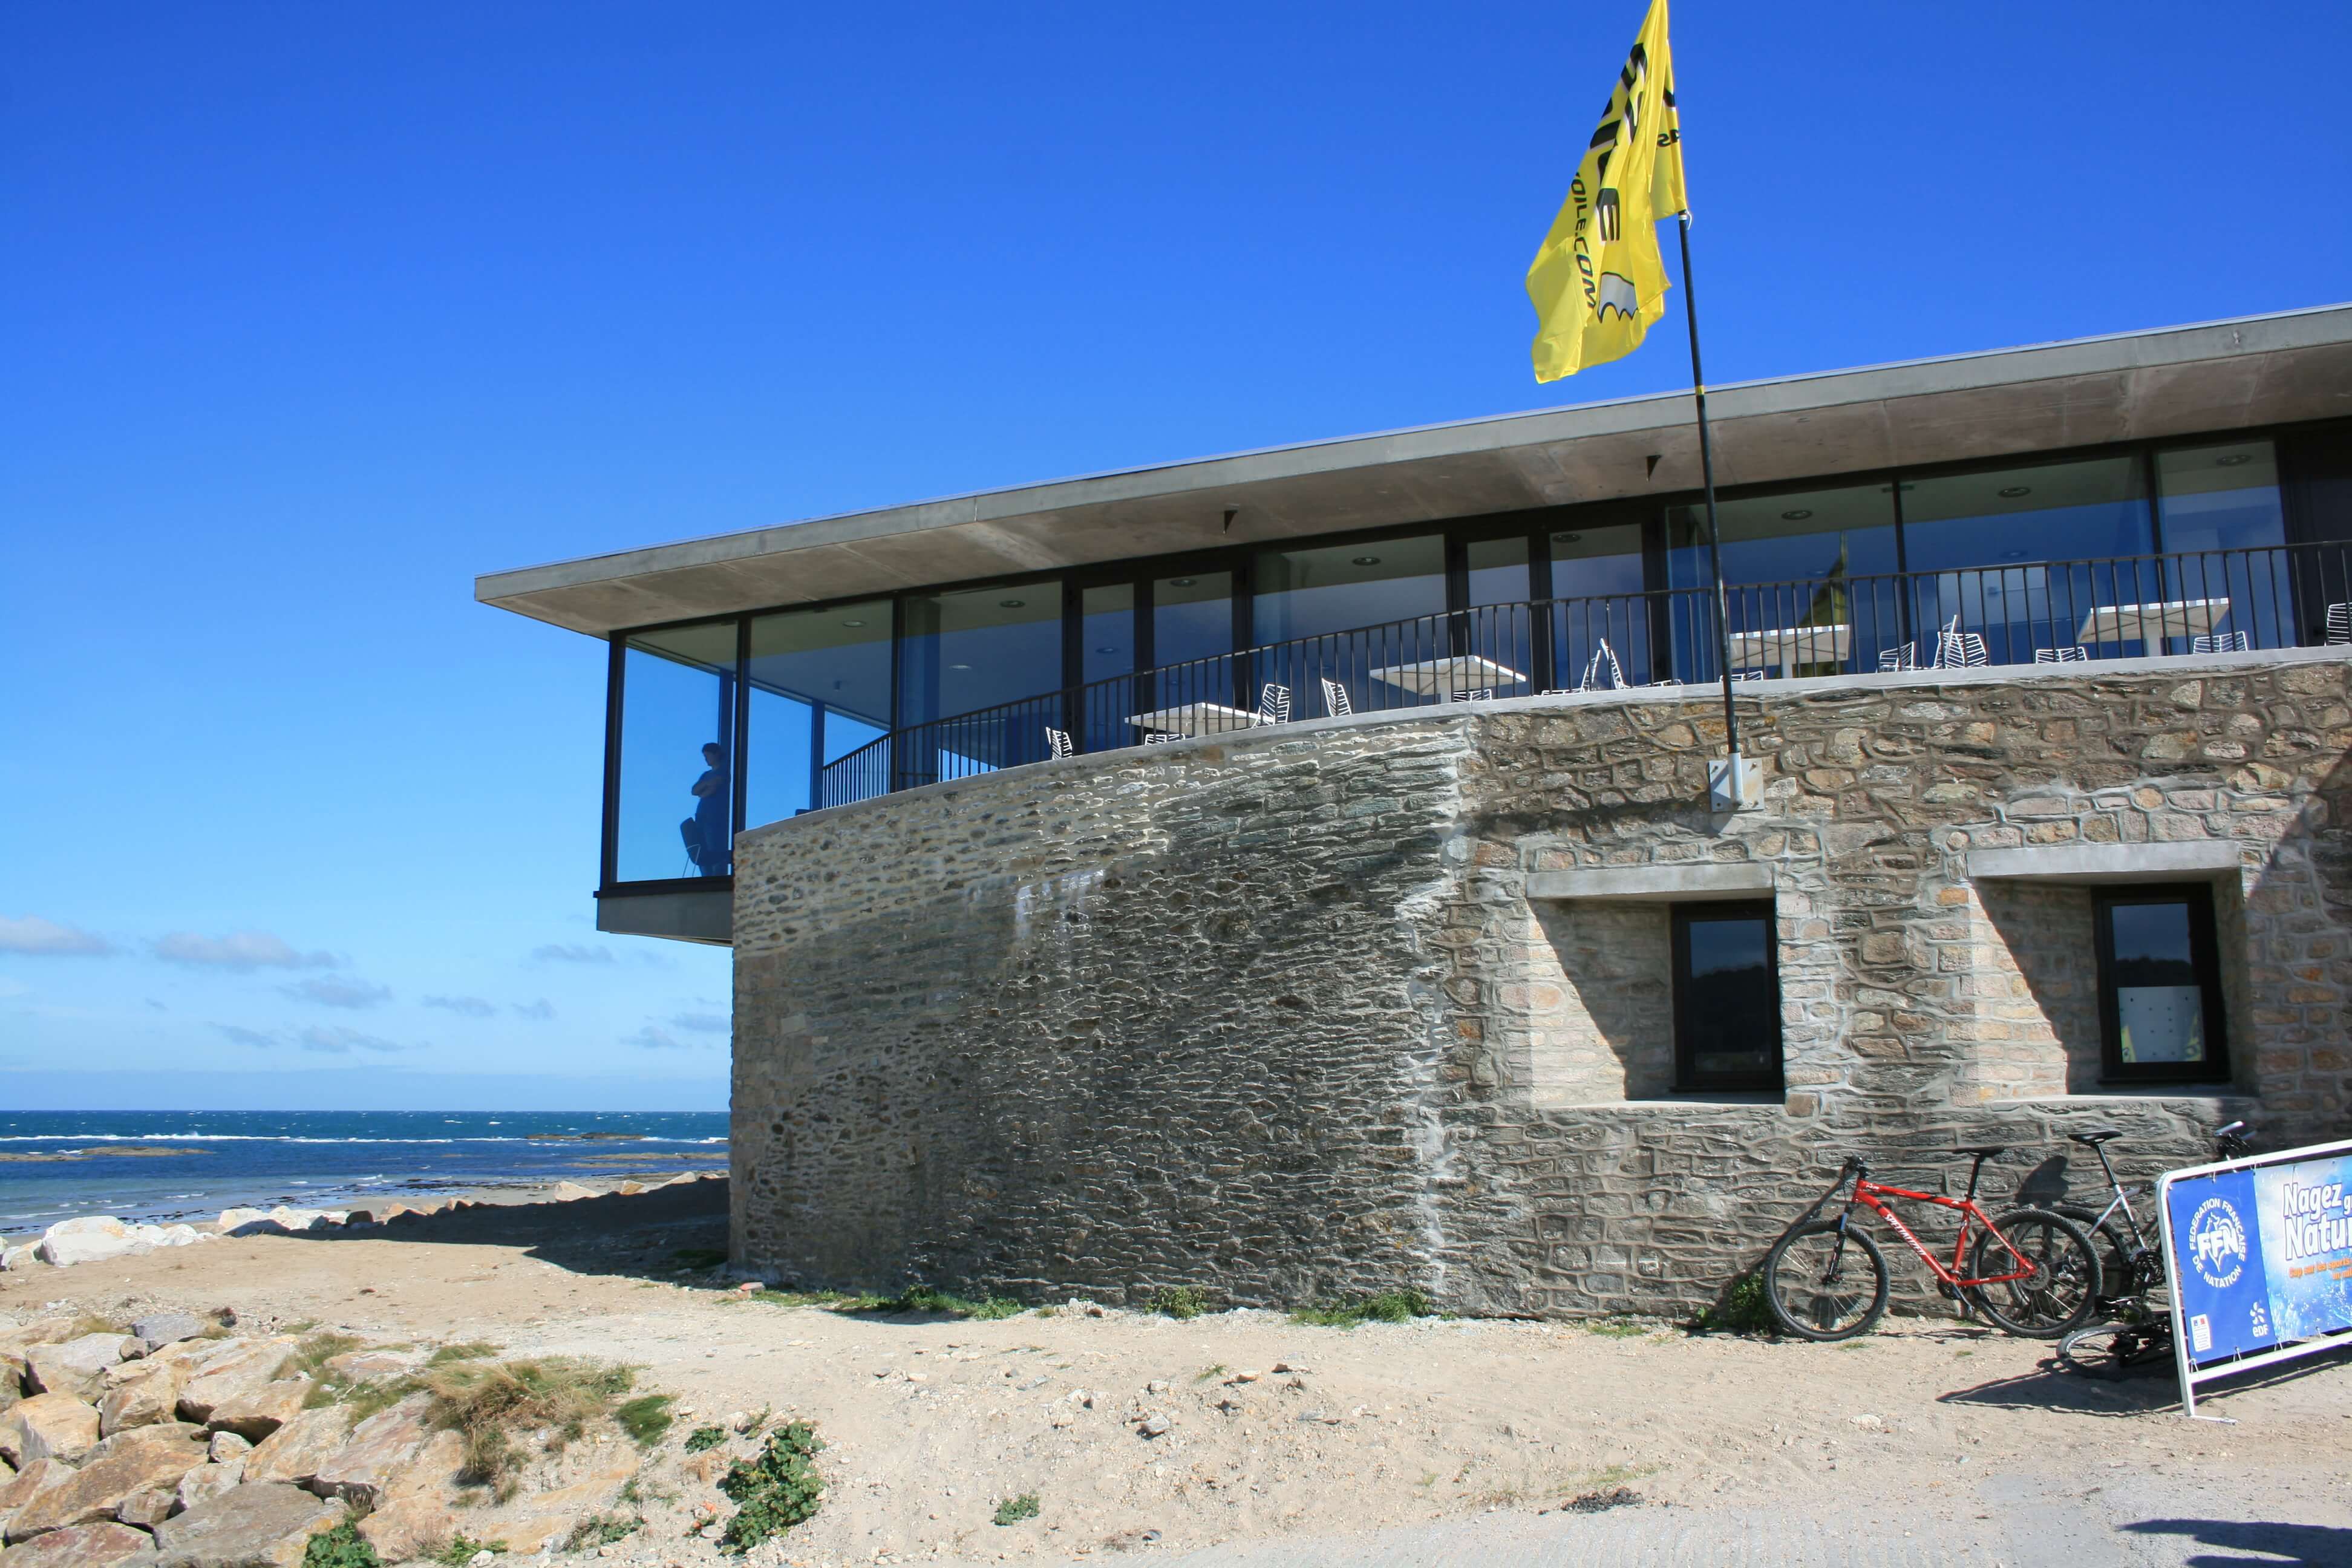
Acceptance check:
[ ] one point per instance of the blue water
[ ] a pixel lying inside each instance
(321, 1158)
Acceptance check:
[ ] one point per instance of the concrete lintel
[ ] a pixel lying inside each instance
(1682, 882)
(695, 916)
(2197, 861)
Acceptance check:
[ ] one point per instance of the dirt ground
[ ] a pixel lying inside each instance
(1273, 1429)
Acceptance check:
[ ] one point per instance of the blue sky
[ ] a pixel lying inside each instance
(307, 314)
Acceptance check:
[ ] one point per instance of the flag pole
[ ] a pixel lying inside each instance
(1707, 477)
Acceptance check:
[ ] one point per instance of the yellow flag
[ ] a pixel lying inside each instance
(1599, 282)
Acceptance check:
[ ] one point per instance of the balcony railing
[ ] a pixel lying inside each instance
(2117, 608)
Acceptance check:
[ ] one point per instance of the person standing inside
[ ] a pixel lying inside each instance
(713, 821)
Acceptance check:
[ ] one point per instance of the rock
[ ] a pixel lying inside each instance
(12, 1377)
(244, 1222)
(40, 1331)
(366, 1470)
(14, 1258)
(415, 1520)
(239, 1368)
(141, 1394)
(265, 1525)
(85, 1546)
(150, 1508)
(545, 1519)
(74, 1367)
(630, 1189)
(256, 1413)
(27, 1484)
(366, 1366)
(205, 1482)
(228, 1446)
(295, 1451)
(294, 1220)
(89, 1240)
(46, 1427)
(157, 1329)
(148, 1456)
(569, 1191)
(1154, 1424)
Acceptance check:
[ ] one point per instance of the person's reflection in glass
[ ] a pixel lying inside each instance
(713, 842)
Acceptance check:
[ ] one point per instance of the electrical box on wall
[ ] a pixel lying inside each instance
(1734, 784)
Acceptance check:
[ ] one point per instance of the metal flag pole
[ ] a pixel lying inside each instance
(1713, 534)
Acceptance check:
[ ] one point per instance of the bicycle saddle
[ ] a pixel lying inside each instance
(1984, 1151)
(2095, 1136)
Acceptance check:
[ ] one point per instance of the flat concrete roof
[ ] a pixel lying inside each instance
(2175, 381)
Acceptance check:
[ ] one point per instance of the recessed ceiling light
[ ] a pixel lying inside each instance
(1565, 537)
(1009, 603)
(1797, 514)
(853, 623)
(2012, 555)
(2233, 459)
(2010, 492)
(1105, 650)
(1364, 560)
(959, 666)
(1182, 582)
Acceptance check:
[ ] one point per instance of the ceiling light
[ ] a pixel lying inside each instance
(1107, 651)
(1364, 560)
(1796, 514)
(1182, 582)
(1565, 537)
(1009, 603)
(959, 666)
(853, 623)
(2233, 459)
(2010, 492)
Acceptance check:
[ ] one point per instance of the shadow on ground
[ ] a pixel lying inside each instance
(2153, 1385)
(2280, 1545)
(673, 1233)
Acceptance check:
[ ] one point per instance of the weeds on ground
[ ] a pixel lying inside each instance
(1399, 1306)
(1615, 1328)
(462, 1549)
(774, 1491)
(472, 1350)
(1215, 1369)
(339, 1548)
(645, 1418)
(914, 1299)
(703, 1437)
(487, 1404)
(1742, 1311)
(1013, 1509)
(599, 1529)
(1180, 1301)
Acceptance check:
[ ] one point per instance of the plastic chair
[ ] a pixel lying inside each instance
(1957, 649)
(2222, 642)
(1273, 704)
(2339, 624)
(2077, 654)
(1057, 742)
(1592, 681)
(1891, 660)
(1335, 700)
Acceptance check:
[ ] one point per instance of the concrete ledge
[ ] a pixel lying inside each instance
(1682, 882)
(697, 916)
(2191, 862)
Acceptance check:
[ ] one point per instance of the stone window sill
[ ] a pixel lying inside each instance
(1773, 1098)
(2215, 1092)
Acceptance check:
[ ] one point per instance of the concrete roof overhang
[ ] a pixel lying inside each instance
(2223, 375)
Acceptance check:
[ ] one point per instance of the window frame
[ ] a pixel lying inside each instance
(2204, 957)
(1687, 1079)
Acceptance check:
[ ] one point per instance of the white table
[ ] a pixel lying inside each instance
(1442, 678)
(1789, 645)
(1195, 719)
(2147, 623)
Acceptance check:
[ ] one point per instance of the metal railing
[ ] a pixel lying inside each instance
(2113, 607)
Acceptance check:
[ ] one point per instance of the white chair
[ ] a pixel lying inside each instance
(2076, 653)
(1593, 667)
(1273, 704)
(2339, 624)
(1957, 649)
(2222, 642)
(1058, 743)
(1669, 681)
(1470, 694)
(1747, 675)
(1891, 660)
(1334, 700)
(1160, 737)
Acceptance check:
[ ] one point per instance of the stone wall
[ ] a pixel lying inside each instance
(1274, 1015)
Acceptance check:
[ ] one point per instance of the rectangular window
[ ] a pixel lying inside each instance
(674, 814)
(820, 688)
(2160, 985)
(1597, 582)
(1339, 587)
(1791, 561)
(2226, 498)
(1727, 997)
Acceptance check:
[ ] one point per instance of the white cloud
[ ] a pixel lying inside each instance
(703, 1023)
(541, 1009)
(468, 1006)
(32, 934)
(339, 993)
(339, 1041)
(571, 953)
(244, 1036)
(242, 952)
(650, 1038)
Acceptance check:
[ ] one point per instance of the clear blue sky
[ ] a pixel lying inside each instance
(308, 314)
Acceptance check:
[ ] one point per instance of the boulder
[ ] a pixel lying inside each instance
(238, 1370)
(85, 1546)
(150, 1508)
(416, 1515)
(532, 1523)
(205, 1482)
(47, 1426)
(366, 1366)
(15, 1258)
(12, 1376)
(295, 1451)
(144, 1459)
(569, 1191)
(157, 1329)
(244, 1222)
(27, 1484)
(260, 1412)
(366, 1470)
(40, 1331)
(295, 1220)
(88, 1241)
(140, 1394)
(76, 1366)
(228, 1446)
(265, 1525)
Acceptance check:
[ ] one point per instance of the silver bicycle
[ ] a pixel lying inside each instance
(2132, 1323)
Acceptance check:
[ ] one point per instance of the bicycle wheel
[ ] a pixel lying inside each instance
(1822, 1286)
(2113, 1246)
(2060, 1293)
(2118, 1350)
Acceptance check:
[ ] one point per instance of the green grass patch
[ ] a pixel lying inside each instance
(1207, 1372)
(462, 1549)
(472, 1350)
(339, 1548)
(775, 1490)
(1398, 1306)
(1615, 1328)
(698, 1257)
(599, 1529)
(703, 1437)
(1013, 1509)
(1180, 1301)
(645, 1418)
(1742, 1311)
(488, 1404)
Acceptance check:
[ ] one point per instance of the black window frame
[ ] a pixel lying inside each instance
(1687, 1079)
(2204, 957)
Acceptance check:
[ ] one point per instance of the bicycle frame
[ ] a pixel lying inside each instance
(1873, 1195)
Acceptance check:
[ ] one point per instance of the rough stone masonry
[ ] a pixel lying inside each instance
(1275, 1013)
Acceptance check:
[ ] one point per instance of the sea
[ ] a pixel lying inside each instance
(165, 1165)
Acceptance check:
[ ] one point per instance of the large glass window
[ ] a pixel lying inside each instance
(1107, 651)
(2159, 991)
(1497, 628)
(973, 649)
(820, 690)
(1597, 582)
(1790, 562)
(674, 815)
(1191, 621)
(2227, 498)
(1979, 540)
(1727, 997)
(1337, 588)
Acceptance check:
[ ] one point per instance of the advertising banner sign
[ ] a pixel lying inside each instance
(2260, 1255)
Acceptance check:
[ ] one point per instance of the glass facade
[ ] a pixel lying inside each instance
(2148, 549)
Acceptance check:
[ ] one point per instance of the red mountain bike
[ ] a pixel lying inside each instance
(2033, 1272)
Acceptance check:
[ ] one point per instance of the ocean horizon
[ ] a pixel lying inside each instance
(188, 1165)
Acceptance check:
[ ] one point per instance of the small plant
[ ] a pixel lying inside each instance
(1013, 1509)
(1616, 1328)
(1397, 1306)
(1216, 1370)
(698, 1257)
(775, 1490)
(1049, 1311)
(1742, 1311)
(645, 1418)
(1180, 1301)
(462, 1549)
(488, 1404)
(703, 1437)
(339, 1548)
(472, 1350)
(599, 1529)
